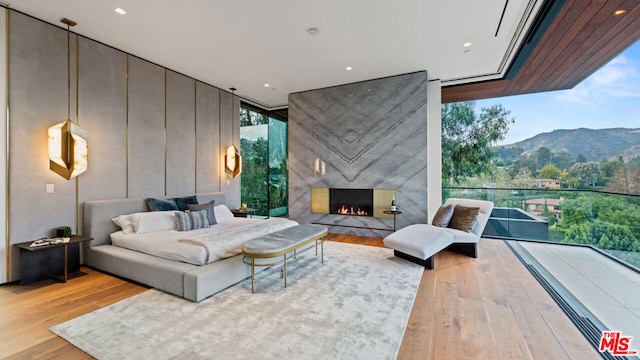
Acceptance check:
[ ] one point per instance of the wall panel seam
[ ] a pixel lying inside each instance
(7, 155)
(127, 126)
(195, 136)
(77, 122)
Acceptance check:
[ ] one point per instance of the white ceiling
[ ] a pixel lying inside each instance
(248, 43)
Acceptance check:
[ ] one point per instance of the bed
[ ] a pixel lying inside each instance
(192, 281)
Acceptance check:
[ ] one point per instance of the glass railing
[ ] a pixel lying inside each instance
(608, 221)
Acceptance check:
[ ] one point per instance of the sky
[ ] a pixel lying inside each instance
(609, 98)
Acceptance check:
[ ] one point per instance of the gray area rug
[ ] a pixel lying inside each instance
(354, 306)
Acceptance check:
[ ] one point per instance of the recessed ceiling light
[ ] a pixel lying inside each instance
(620, 12)
(467, 44)
(120, 11)
(266, 85)
(348, 68)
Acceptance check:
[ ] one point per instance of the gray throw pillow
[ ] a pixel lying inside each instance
(192, 220)
(443, 216)
(211, 215)
(464, 218)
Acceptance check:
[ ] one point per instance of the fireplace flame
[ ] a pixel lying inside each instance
(350, 210)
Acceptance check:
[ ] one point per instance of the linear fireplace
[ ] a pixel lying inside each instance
(354, 202)
(340, 201)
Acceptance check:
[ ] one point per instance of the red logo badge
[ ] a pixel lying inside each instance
(616, 344)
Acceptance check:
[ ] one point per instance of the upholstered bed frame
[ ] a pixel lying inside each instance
(190, 281)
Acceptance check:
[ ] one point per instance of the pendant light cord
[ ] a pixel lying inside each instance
(68, 74)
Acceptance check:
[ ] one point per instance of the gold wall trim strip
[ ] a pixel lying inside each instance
(126, 183)
(8, 158)
(165, 131)
(78, 123)
(220, 169)
(195, 136)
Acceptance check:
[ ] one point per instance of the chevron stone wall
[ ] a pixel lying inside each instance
(371, 134)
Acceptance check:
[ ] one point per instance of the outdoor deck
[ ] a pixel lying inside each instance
(607, 289)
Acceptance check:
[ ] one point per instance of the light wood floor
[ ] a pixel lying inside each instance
(484, 308)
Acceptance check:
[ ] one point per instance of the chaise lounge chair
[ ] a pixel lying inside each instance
(457, 226)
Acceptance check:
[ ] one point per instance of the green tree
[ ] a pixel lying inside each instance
(607, 170)
(544, 155)
(581, 159)
(506, 155)
(587, 172)
(525, 161)
(467, 139)
(562, 160)
(549, 172)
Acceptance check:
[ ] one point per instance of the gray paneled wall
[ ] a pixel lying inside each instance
(181, 134)
(207, 138)
(146, 128)
(152, 132)
(371, 134)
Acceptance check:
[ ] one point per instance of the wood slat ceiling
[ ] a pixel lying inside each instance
(583, 37)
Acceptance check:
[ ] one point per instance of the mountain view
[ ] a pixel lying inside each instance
(594, 145)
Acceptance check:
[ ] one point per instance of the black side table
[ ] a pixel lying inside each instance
(394, 213)
(54, 260)
(248, 212)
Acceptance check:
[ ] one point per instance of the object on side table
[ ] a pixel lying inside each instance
(51, 257)
(63, 231)
(246, 212)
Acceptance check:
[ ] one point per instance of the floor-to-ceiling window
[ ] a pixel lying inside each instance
(265, 175)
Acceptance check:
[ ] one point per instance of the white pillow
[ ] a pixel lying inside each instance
(152, 221)
(222, 213)
(126, 223)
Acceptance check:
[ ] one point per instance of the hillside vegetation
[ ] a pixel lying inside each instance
(593, 144)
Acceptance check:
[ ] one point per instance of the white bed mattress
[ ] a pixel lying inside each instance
(166, 244)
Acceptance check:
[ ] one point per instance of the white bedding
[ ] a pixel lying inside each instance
(167, 244)
(227, 243)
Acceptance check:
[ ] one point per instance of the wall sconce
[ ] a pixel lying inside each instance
(319, 167)
(233, 161)
(68, 149)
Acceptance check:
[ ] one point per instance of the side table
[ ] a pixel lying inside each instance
(248, 212)
(394, 213)
(54, 260)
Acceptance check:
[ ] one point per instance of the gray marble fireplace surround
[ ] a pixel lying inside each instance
(365, 135)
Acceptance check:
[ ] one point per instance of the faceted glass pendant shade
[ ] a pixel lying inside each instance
(68, 149)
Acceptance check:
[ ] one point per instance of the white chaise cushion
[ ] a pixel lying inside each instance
(460, 236)
(420, 240)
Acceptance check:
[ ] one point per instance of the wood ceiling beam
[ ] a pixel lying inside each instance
(583, 37)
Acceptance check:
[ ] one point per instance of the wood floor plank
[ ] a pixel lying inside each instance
(485, 308)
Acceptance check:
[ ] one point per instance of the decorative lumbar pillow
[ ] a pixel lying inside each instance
(147, 222)
(192, 220)
(211, 214)
(443, 216)
(464, 218)
(126, 223)
(183, 202)
(222, 213)
(161, 204)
